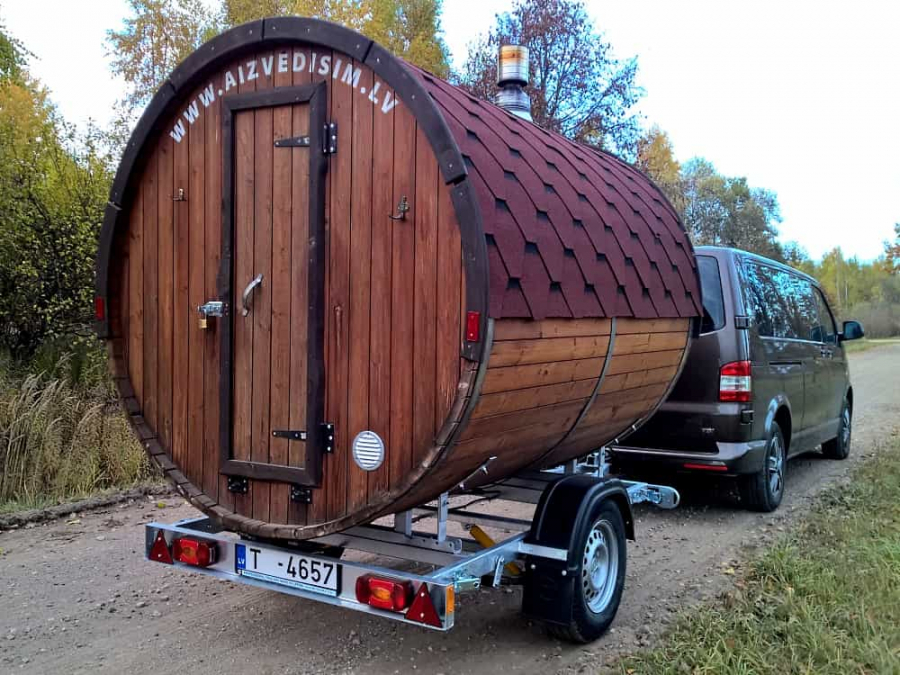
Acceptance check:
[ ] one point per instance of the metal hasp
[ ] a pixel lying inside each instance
(215, 308)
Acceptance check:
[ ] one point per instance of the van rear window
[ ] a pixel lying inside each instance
(711, 288)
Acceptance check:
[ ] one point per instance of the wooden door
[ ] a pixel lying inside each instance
(272, 279)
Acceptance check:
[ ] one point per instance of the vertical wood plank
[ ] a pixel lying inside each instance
(402, 295)
(166, 274)
(281, 287)
(244, 212)
(151, 292)
(197, 255)
(424, 345)
(340, 178)
(261, 307)
(213, 484)
(181, 309)
(448, 306)
(380, 394)
(360, 277)
(136, 296)
(297, 513)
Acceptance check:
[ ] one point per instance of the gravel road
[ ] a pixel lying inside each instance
(76, 596)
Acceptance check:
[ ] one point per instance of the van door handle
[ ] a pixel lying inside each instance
(248, 293)
(826, 352)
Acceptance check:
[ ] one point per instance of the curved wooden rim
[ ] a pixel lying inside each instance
(271, 33)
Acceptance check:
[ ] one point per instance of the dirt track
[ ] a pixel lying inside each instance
(76, 597)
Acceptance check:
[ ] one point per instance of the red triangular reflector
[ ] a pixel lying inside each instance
(422, 609)
(160, 549)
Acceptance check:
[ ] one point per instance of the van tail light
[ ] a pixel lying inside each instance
(381, 593)
(100, 308)
(194, 552)
(735, 382)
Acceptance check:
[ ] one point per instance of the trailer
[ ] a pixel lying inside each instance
(336, 288)
(569, 557)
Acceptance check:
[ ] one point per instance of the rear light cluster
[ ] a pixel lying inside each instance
(398, 596)
(735, 382)
(186, 550)
(388, 594)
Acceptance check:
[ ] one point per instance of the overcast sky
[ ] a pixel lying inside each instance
(802, 97)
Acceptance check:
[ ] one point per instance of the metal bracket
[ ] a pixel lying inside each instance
(327, 437)
(301, 495)
(295, 142)
(290, 435)
(402, 209)
(238, 484)
(742, 322)
(331, 131)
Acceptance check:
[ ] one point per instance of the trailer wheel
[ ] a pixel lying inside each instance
(600, 578)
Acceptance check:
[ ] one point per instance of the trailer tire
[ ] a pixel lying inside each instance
(600, 578)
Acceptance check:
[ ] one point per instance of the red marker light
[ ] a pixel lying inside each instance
(473, 326)
(422, 609)
(160, 549)
(99, 308)
(194, 552)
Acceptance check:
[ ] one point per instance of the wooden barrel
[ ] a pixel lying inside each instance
(414, 284)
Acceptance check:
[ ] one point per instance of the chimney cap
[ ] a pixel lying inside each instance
(512, 65)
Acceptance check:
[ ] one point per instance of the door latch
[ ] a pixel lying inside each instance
(214, 308)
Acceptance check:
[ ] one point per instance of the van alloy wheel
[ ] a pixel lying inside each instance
(775, 467)
(839, 446)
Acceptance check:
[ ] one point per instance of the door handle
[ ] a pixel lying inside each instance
(248, 293)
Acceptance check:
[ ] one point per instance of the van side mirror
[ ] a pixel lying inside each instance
(853, 330)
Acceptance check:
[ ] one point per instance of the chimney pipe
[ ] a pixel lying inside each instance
(512, 77)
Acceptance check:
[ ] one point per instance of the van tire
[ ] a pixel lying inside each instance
(839, 446)
(764, 490)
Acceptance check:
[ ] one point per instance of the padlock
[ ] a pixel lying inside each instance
(204, 322)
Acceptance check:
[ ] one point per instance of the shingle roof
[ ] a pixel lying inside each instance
(571, 231)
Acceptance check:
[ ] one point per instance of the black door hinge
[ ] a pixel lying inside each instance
(295, 142)
(331, 138)
(238, 484)
(327, 430)
(301, 495)
(289, 434)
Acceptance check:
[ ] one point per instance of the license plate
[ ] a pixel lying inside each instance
(288, 569)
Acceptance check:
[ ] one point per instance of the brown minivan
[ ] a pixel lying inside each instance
(766, 380)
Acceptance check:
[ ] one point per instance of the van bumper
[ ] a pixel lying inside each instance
(731, 458)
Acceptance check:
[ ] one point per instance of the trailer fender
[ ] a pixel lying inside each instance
(563, 513)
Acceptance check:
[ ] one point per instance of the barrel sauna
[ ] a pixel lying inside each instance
(417, 288)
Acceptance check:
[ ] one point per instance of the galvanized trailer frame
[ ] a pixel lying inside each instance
(457, 564)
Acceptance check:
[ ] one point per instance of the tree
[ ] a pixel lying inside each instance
(53, 187)
(725, 211)
(577, 87)
(407, 28)
(892, 252)
(656, 158)
(153, 41)
(12, 56)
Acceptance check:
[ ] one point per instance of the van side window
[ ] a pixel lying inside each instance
(711, 290)
(767, 292)
(806, 316)
(826, 327)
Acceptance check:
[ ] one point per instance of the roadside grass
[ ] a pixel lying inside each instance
(63, 437)
(824, 600)
(864, 345)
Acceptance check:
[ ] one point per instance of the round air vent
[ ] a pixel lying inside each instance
(368, 450)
